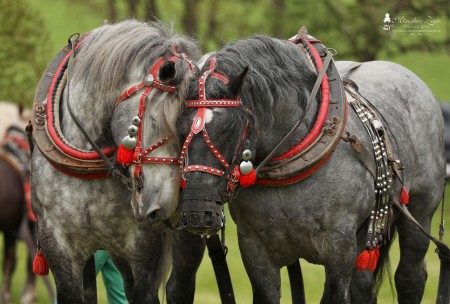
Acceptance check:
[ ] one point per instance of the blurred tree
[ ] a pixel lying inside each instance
(23, 45)
(112, 10)
(152, 10)
(190, 17)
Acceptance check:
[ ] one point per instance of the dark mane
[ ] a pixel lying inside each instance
(278, 72)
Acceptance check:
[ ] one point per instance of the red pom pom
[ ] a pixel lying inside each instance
(124, 156)
(374, 256)
(40, 266)
(404, 196)
(362, 261)
(183, 183)
(246, 180)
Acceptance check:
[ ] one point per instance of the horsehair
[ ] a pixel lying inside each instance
(111, 51)
(277, 69)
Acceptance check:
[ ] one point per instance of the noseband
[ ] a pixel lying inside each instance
(137, 154)
(198, 125)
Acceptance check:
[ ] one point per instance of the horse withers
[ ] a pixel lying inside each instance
(321, 208)
(122, 85)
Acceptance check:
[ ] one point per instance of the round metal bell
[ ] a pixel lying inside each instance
(148, 81)
(245, 167)
(129, 142)
(133, 130)
(246, 154)
(136, 121)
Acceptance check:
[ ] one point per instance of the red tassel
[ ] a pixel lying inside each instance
(362, 261)
(374, 256)
(124, 156)
(404, 196)
(247, 179)
(40, 266)
(183, 183)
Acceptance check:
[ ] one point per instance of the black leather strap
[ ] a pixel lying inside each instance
(217, 253)
(296, 280)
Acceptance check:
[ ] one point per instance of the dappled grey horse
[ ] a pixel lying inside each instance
(248, 96)
(125, 77)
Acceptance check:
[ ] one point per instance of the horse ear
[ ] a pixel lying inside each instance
(235, 85)
(167, 71)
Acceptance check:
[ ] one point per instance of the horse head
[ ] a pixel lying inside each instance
(218, 130)
(150, 151)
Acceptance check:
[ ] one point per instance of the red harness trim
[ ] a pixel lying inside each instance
(321, 116)
(85, 155)
(198, 124)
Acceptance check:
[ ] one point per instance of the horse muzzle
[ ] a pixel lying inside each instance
(202, 210)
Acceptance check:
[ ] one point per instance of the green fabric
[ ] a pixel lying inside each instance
(112, 278)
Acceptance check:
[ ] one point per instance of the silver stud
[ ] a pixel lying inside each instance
(133, 130)
(149, 79)
(136, 121)
(129, 142)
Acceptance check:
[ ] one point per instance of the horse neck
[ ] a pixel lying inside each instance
(93, 112)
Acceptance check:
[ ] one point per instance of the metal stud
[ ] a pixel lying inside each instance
(129, 142)
(133, 130)
(136, 121)
(149, 79)
(246, 154)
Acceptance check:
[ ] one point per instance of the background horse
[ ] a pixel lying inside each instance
(77, 216)
(323, 218)
(15, 221)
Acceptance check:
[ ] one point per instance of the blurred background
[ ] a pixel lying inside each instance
(414, 33)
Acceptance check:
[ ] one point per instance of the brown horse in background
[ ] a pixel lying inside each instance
(15, 220)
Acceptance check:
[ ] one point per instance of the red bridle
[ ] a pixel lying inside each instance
(198, 125)
(141, 156)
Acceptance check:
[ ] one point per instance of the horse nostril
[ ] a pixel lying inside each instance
(153, 212)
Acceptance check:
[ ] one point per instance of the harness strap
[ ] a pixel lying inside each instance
(311, 98)
(217, 253)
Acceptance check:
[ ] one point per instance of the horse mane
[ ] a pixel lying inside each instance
(113, 53)
(278, 72)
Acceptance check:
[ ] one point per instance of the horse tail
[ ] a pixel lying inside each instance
(383, 266)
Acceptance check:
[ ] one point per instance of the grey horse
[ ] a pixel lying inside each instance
(77, 216)
(323, 218)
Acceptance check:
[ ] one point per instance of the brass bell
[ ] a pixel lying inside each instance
(133, 130)
(245, 167)
(129, 142)
(246, 154)
(148, 81)
(136, 121)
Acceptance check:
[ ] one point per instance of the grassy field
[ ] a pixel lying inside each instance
(63, 20)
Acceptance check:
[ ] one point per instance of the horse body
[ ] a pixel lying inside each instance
(77, 216)
(324, 217)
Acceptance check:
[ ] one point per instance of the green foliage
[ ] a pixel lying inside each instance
(23, 43)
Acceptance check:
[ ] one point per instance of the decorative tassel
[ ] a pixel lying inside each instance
(40, 266)
(374, 256)
(247, 180)
(124, 156)
(368, 259)
(362, 261)
(404, 196)
(183, 183)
